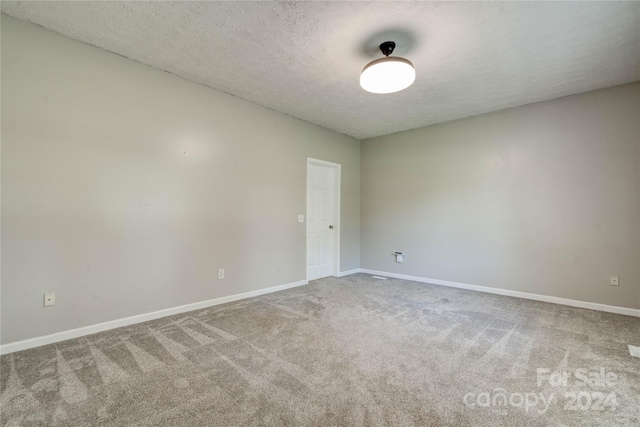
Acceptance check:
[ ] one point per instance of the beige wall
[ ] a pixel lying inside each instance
(124, 189)
(543, 198)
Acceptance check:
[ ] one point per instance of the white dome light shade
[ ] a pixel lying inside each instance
(387, 75)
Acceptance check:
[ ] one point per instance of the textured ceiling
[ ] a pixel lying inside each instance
(304, 58)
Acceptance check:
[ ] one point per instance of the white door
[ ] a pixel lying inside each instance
(320, 220)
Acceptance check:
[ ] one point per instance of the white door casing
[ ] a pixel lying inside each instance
(323, 219)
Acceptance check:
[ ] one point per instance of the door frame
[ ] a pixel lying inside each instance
(337, 177)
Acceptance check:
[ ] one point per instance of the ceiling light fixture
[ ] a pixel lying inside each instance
(388, 74)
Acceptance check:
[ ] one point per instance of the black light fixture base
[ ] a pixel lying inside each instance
(387, 48)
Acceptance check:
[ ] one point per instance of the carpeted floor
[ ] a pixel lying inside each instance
(353, 351)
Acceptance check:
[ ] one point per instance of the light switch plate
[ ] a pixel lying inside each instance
(300, 218)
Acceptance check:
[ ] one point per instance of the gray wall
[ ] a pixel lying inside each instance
(543, 198)
(124, 189)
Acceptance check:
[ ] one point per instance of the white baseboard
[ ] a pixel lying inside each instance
(139, 318)
(112, 324)
(349, 272)
(536, 297)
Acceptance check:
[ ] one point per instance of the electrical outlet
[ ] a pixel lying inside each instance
(221, 273)
(49, 299)
(614, 281)
(300, 218)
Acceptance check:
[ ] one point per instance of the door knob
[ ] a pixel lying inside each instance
(331, 227)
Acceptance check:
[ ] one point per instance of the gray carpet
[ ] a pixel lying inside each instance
(353, 351)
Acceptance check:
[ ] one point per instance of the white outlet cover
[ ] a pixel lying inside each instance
(49, 299)
(221, 273)
(300, 218)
